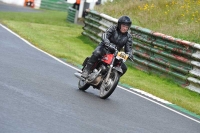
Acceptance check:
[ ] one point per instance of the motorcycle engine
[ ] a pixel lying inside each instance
(94, 77)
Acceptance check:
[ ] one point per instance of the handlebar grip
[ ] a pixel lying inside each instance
(131, 59)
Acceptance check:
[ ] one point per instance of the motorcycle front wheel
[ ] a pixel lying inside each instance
(106, 89)
(83, 85)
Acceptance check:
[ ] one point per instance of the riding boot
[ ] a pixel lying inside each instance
(94, 57)
(86, 70)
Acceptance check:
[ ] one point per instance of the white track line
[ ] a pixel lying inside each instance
(118, 85)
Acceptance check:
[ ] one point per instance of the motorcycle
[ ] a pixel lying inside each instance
(105, 75)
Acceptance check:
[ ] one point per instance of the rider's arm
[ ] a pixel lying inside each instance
(128, 46)
(105, 36)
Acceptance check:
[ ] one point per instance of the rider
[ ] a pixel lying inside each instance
(115, 35)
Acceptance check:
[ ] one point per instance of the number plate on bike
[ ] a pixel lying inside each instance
(122, 55)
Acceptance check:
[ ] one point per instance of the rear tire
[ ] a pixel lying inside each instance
(82, 85)
(108, 89)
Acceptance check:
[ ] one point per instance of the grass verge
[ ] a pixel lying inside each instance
(49, 31)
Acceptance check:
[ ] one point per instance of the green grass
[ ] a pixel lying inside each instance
(49, 31)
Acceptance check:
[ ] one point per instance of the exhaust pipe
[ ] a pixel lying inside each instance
(78, 75)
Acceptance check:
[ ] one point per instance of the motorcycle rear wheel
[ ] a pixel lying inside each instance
(107, 89)
(83, 85)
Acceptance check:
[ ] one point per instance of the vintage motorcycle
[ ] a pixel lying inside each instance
(105, 75)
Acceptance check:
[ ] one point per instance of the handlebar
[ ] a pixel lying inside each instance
(131, 59)
(113, 46)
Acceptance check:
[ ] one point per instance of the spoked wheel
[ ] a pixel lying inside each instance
(106, 89)
(82, 85)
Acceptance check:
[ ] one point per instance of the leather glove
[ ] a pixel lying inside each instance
(130, 55)
(107, 44)
(112, 48)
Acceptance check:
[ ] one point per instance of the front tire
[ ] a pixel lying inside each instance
(107, 89)
(83, 85)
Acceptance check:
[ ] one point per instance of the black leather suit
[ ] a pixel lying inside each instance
(113, 35)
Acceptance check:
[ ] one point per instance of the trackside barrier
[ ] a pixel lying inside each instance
(72, 15)
(154, 52)
(60, 5)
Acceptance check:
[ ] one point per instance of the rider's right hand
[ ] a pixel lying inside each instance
(107, 44)
(112, 48)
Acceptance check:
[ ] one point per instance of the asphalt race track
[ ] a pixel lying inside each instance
(39, 94)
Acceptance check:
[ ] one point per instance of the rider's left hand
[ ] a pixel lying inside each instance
(130, 55)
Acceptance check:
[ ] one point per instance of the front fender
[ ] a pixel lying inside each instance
(119, 69)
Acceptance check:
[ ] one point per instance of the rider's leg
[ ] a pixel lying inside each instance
(124, 68)
(86, 70)
(98, 53)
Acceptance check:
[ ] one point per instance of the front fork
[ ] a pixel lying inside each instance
(105, 82)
